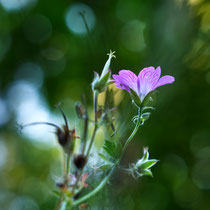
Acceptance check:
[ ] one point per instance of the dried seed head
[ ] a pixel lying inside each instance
(80, 161)
(63, 137)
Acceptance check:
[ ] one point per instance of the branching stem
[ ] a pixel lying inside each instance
(106, 178)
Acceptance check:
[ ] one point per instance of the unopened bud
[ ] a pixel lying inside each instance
(100, 83)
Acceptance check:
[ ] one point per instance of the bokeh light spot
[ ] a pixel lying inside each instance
(75, 22)
(15, 5)
(52, 54)
(188, 195)
(37, 28)
(30, 72)
(30, 106)
(174, 170)
(5, 43)
(4, 112)
(201, 172)
(199, 141)
(205, 20)
(3, 153)
(132, 36)
(23, 203)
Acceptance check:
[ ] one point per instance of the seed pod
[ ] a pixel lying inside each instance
(63, 136)
(80, 161)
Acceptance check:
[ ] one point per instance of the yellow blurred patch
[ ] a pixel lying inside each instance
(118, 95)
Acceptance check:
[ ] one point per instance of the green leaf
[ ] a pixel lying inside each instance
(105, 166)
(112, 149)
(102, 156)
(56, 193)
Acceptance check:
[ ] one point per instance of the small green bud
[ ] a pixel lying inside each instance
(107, 64)
(143, 165)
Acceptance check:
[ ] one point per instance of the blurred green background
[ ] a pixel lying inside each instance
(47, 55)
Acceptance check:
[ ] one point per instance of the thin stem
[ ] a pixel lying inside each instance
(41, 123)
(95, 101)
(64, 117)
(82, 13)
(133, 133)
(84, 138)
(60, 201)
(67, 166)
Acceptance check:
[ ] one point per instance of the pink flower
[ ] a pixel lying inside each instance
(148, 80)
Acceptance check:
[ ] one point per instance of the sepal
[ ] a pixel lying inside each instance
(135, 97)
(143, 166)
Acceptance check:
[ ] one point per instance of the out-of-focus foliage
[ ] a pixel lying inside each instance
(48, 54)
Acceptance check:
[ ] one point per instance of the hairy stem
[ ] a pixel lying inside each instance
(133, 133)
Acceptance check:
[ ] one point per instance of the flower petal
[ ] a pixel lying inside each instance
(165, 80)
(129, 79)
(148, 79)
(119, 83)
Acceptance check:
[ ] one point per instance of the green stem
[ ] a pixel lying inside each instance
(106, 179)
(85, 132)
(67, 167)
(133, 133)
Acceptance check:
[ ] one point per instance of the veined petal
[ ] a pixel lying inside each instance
(164, 80)
(119, 83)
(129, 78)
(148, 79)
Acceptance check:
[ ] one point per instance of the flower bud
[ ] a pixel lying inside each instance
(144, 164)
